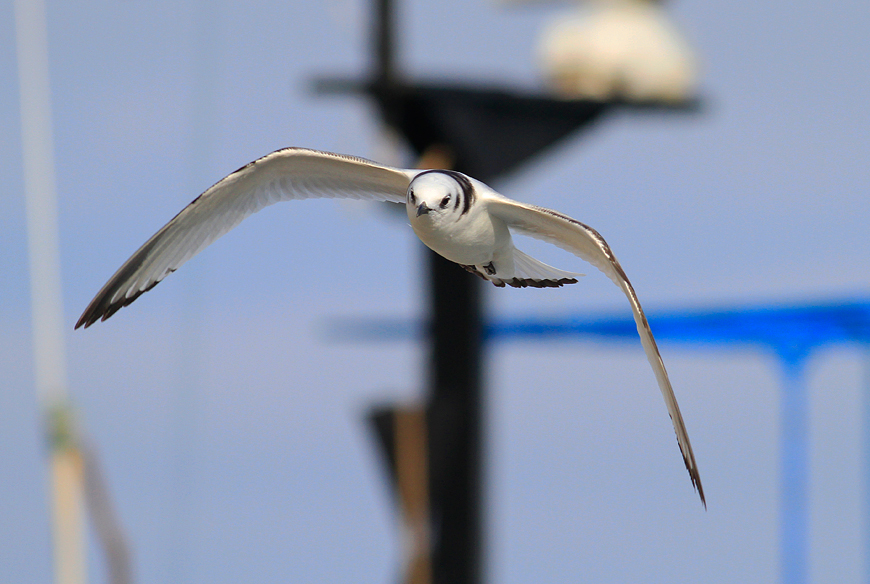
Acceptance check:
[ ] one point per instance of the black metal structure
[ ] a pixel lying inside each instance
(486, 133)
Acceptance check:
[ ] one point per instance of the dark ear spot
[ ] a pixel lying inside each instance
(411, 197)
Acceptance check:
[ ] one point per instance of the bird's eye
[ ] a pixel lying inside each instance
(445, 201)
(411, 197)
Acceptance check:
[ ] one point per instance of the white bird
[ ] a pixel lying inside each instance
(455, 215)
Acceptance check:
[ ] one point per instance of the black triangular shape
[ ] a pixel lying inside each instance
(489, 131)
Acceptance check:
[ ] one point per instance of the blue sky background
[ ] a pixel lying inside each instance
(231, 428)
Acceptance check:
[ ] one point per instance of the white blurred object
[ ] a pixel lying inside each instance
(49, 351)
(626, 49)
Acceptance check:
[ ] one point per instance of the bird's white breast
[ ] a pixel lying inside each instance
(469, 239)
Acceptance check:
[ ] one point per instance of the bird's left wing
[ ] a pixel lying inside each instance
(586, 243)
(283, 175)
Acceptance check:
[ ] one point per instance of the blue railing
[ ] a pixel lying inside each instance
(788, 332)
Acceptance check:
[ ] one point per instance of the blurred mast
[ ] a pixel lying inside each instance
(453, 432)
(49, 355)
(384, 38)
(410, 428)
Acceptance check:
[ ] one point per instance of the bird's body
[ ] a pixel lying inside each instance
(455, 215)
(458, 224)
(461, 231)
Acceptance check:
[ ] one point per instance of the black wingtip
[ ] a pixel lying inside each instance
(88, 317)
(696, 482)
(100, 308)
(94, 310)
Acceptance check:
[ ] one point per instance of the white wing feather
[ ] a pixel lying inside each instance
(586, 243)
(283, 175)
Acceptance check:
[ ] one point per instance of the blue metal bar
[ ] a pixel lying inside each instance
(866, 452)
(794, 470)
(764, 327)
(790, 332)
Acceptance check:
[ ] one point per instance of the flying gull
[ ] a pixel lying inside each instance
(455, 215)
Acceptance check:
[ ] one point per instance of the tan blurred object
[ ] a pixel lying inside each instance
(618, 49)
(412, 474)
(67, 479)
(437, 157)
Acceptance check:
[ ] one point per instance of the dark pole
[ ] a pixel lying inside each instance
(454, 388)
(455, 412)
(384, 39)
(472, 130)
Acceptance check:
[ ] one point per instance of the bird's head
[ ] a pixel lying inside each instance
(436, 196)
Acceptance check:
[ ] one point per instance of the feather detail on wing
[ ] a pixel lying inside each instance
(283, 175)
(528, 268)
(525, 272)
(586, 243)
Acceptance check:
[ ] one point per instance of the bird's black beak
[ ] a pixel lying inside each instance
(422, 209)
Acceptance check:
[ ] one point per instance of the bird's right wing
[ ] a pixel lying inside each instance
(586, 243)
(283, 175)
